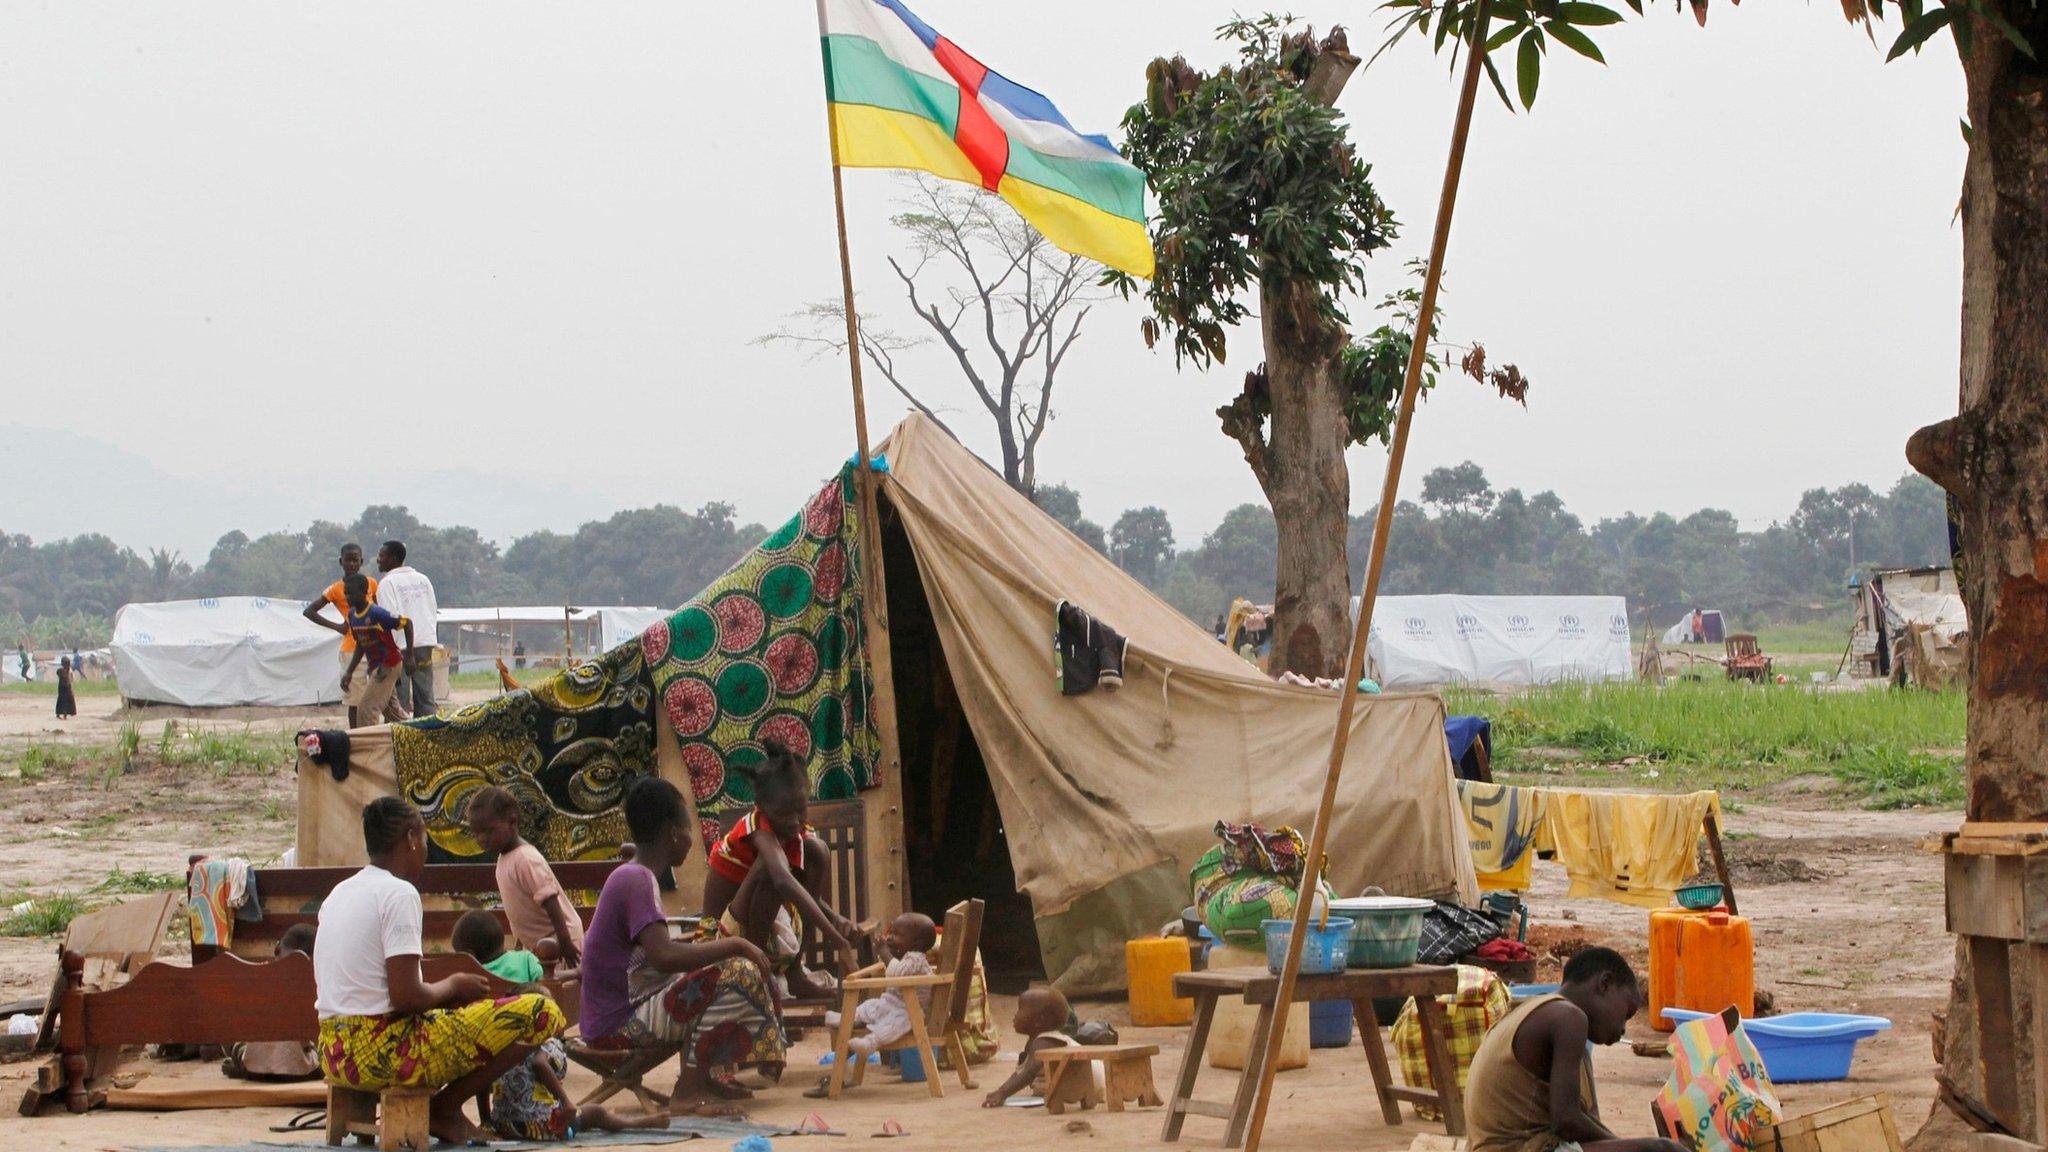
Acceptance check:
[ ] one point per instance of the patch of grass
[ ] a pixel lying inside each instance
(226, 752)
(48, 916)
(123, 882)
(1891, 748)
(37, 761)
(48, 687)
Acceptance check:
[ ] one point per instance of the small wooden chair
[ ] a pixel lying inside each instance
(395, 1118)
(1126, 1076)
(951, 986)
(1746, 659)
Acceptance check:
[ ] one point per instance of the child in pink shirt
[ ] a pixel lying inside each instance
(539, 910)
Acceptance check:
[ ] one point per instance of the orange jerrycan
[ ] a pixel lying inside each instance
(1664, 926)
(1716, 964)
(1152, 965)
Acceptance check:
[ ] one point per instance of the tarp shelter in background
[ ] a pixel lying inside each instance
(1911, 626)
(225, 652)
(1699, 626)
(491, 633)
(1092, 806)
(1497, 641)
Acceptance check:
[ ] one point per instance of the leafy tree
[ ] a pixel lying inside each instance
(1259, 187)
(1063, 504)
(1462, 488)
(1141, 542)
(1239, 553)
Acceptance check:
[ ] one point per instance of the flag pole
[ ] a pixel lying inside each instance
(883, 817)
(1265, 1062)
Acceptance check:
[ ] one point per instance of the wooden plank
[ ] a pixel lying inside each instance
(225, 1000)
(1258, 986)
(1991, 967)
(1988, 828)
(170, 1097)
(1207, 1108)
(1985, 896)
(1712, 827)
(2035, 957)
(435, 879)
(135, 925)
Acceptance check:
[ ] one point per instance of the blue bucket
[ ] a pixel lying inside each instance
(1323, 951)
(911, 1061)
(1329, 1024)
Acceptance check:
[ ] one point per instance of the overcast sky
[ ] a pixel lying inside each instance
(262, 245)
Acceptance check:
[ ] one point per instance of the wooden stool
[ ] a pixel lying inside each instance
(1126, 1076)
(395, 1117)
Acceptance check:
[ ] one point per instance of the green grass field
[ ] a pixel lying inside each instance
(1887, 748)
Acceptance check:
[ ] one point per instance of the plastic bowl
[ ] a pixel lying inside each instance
(1699, 897)
(1802, 1047)
(1323, 951)
(1388, 932)
(1531, 991)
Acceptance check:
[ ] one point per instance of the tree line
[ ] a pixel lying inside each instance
(1461, 535)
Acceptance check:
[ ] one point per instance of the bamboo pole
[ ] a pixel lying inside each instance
(1266, 1062)
(884, 821)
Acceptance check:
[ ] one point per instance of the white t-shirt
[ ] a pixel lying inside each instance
(408, 593)
(367, 919)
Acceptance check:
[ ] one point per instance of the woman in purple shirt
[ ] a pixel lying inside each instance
(643, 989)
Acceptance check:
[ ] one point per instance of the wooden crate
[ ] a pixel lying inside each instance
(1863, 1125)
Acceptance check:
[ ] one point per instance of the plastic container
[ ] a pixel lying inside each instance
(1329, 1024)
(1803, 1046)
(1664, 926)
(1716, 958)
(1531, 991)
(1324, 950)
(1387, 930)
(911, 1062)
(1230, 1029)
(1699, 897)
(1151, 965)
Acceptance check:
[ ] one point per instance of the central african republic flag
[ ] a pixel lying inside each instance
(903, 96)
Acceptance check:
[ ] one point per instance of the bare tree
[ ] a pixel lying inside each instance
(994, 293)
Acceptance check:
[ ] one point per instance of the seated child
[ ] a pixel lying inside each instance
(479, 934)
(1043, 1019)
(542, 919)
(277, 1059)
(886, 1017)
(769, 859)
(1531, 1086)
(529, 1102)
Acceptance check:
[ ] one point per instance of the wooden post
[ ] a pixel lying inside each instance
(1264, 1061)
(888, 870)
(568, 637)
(1713, 829)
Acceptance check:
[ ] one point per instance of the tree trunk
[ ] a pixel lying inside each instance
(1307, 482)
(1993, 458)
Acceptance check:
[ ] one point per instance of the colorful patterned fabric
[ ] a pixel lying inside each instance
(432, 1048)
(213, 890)
(566, 748)
(773, 650)
(1718, 1095)
(521, 1106)
(1480, 1002)
(723, 1015)
(1248, 847)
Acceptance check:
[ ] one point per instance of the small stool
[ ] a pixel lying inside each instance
(1126, 1076)
(396, 1117)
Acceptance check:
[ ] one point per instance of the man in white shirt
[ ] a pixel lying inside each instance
(382, 1025)
(407, 592)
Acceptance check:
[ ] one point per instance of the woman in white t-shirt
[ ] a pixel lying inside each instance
(381, 1025)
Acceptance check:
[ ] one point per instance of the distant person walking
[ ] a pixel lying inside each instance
(351, 562)
(519, 654)
(376, 630)
(67, 704)
(28, 667)
(406, 592)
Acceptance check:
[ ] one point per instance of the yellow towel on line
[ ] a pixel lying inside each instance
(1503, 821)
(1630, 847)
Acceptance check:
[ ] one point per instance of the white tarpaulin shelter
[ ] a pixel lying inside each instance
(1504, 641)
(225, 652)
(591, 630)
(1711, 628)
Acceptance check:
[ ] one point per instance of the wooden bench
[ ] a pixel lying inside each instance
(225, 1000)
(309, 886)
(1126, 1076)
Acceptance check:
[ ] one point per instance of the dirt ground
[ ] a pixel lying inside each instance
(1847, 909)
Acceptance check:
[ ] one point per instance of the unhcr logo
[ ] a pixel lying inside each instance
(1518, 625)
(209, 602)
(1416, 626)
(1617, 625)
(1467, 624)
(1568, 625)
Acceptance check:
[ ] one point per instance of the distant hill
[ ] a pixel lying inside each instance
(62, 484)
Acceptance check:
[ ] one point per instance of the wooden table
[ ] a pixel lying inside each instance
(1360, 986)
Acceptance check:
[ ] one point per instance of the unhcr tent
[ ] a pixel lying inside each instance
(1076, 817)
(224, 652)
(1497, 641)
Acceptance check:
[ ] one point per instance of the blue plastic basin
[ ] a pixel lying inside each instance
(1803, 1046)
(1531, 991)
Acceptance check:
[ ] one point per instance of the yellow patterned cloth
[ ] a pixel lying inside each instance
(1480, 1002)
(432, 1048)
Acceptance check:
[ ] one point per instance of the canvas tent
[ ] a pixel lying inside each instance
(1497, 641)
(1092, 807)
(1911, 625)
(1710, 628)
(224, 652)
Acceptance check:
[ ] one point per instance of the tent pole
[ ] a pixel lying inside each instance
(889, 887)
(1265, 1062)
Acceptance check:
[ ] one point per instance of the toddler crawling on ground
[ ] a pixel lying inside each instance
(1045, 1020)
